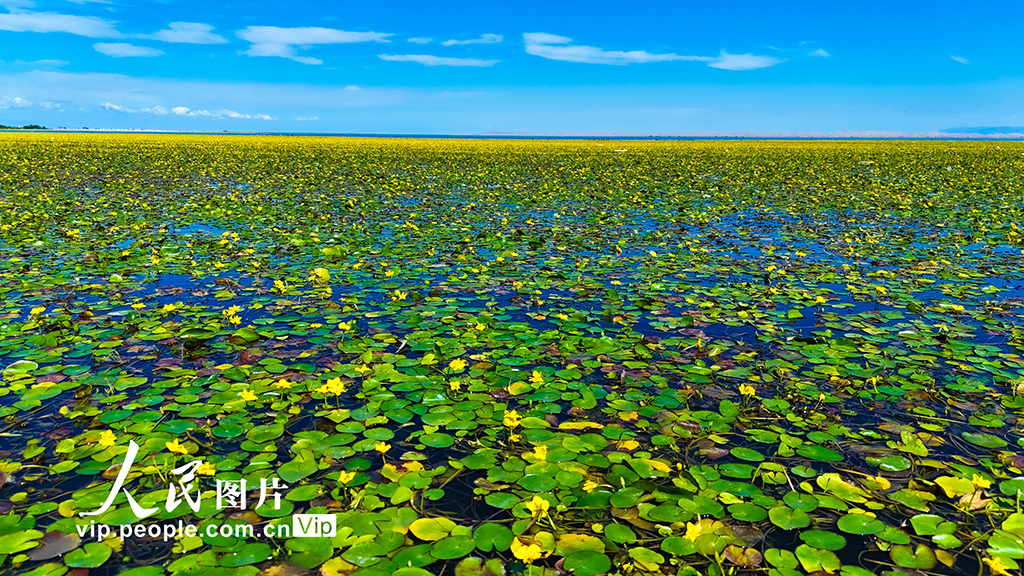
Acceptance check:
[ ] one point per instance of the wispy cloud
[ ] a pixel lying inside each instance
(555, 47)
(125, 50)
(282, 42)
(19, 103)
(91, 27)
(483, 39)
(960, 59)
(420, 40)
(158, 110)
(819, 53)
(307, 118)
(726, 61)
(428, 60)
(7, 102)
(189, 33)
(34, 64)
(184, 111)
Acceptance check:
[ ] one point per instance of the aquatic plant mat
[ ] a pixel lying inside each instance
(509, 357)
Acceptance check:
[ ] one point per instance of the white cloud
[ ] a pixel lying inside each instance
(428, 60)
(92, 1)
(124, 50)
(185, 111)
(21, 64)
(819, 53)
(88, 26)
(483, 39)
(307, 118)
(13, 5)
(726, 61)
(189, 33)
(555, 47)
(158, 110)
(420, 40)
(282, 42)
(6, 103)
(960, 59)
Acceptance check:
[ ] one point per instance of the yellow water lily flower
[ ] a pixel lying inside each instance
(997, 566)
(382, 447)
(511, 419)
(247, 395)
(345, 477)
(108, 439)
(176, 447)
(747, 390)
(526, 552)
(457, 365)
(538, 505)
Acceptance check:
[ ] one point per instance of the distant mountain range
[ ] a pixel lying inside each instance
(985, 130)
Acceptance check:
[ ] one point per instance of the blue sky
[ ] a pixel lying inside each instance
(549, 67)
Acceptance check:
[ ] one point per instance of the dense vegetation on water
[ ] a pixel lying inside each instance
(505, 357)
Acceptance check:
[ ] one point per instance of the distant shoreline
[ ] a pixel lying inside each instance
(797, 136)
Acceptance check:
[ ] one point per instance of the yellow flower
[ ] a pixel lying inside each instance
(336, 386)
(980, 483)
(693, 530)
(236, 320)
(382, 447)
(526, 552)
(479, 326)
(108, 439)
(538, 505)
(363, 369)
(589, 486)
(345, 477)
(997, 566)
(514, 438)
(167, 308)
(37, 310)
(457, 364)
(344, 325)
(64, 410)
(747, 390)
(283, 384)
(454, 385)
(138, 306)
(540, 453)
(511, 419)
(247, 395)
(176, 447)
(206, 469)
(537, 378)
